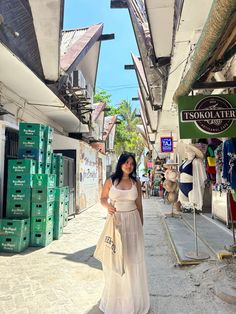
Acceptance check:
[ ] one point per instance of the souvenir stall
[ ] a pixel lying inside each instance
(224, 190)
(207, 117)
(171, 184)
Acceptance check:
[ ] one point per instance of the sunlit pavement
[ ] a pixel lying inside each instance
(65, 278)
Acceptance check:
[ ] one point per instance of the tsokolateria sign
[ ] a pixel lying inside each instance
(207, 116)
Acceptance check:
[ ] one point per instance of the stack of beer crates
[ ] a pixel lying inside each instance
(42, 214)
(37, 201)
(61, 204)
(35, 142)
(15, 228)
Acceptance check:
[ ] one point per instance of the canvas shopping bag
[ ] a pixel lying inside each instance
(109, 249)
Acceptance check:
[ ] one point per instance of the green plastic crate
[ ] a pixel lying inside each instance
(19, 181)
(48, 156)
(31, 129)
(65, 221)
(41, 239)
(13, 244)
(44, 180)
(43, 195)
(57, 230)
(42, 209)
(59, 194)
(58, 208)
(49, 133)
(21, 166)
(18, 209)
(15, 227)
(58, 160)
(41, 223)
(66, 206)
(47, 168)
(39, 168)
(19, 194)
(31, 142)
(66, 193)
(31, 153)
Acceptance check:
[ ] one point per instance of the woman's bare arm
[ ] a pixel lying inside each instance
(105, 196)
(139, 201)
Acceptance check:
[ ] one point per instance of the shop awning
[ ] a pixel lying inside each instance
(18, 78)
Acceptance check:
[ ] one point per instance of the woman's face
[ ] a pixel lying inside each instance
(128, 166)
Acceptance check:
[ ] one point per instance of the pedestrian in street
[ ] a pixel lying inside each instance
(122, 196)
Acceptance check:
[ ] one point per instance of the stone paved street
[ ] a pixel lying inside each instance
(65, 278)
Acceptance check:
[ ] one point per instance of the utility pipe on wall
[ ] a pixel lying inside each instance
(218, 18)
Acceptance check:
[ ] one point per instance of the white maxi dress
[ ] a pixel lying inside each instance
(127, 294)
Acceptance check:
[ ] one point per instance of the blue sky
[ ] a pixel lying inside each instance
(122, 84)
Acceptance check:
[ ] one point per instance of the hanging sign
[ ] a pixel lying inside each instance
(167, 144)
(207, 116)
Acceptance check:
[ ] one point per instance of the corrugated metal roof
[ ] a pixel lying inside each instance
(77, 43)
(98, 108)
(69, 37)
(108, 125)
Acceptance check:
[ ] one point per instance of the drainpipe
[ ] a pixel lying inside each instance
(219, 16)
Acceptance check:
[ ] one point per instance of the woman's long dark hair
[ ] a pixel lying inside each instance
(117, 176)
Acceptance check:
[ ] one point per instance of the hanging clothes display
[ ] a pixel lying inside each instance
(211, 163)
(218, 152)
(229, 162)
(192, 179)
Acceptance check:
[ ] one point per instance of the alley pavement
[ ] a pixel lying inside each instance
(65, 278)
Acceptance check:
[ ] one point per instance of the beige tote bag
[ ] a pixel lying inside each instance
(109, 249)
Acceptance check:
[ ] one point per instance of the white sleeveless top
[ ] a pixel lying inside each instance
(123, 200)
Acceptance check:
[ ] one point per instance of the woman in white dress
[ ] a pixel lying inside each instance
(121, 195)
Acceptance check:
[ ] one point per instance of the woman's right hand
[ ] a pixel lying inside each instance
(111, 209)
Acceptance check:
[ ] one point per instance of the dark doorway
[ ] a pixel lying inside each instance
(11, 152)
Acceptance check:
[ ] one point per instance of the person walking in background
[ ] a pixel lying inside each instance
(122, 196)
(143, 188)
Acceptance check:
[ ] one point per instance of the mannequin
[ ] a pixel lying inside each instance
(171, 184)
(192, 179)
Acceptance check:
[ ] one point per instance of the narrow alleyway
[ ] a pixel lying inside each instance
(65, 278)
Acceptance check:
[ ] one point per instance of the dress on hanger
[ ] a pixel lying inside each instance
(191, 183)
(127, 294)
(229, 162)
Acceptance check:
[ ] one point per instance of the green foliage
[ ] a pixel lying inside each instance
(103, 96)
(127, 137)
